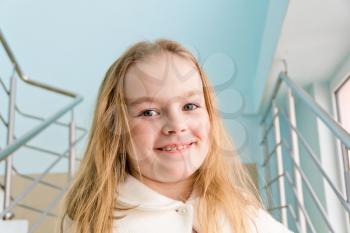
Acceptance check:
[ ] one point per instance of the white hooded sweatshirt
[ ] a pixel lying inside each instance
(156, 213)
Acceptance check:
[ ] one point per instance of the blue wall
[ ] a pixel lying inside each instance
(70, 44)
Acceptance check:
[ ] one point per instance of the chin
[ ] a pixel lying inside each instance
(174, 177)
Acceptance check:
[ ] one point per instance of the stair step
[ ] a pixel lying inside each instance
(14, 226)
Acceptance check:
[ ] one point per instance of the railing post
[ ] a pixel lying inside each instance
(280, 169)
(267, 168)
(72, 153)
(10, 138)
(346, 162)
(296, 156)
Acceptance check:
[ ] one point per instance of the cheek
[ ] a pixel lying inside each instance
(143, 135)
(140, 129)
(201, 127)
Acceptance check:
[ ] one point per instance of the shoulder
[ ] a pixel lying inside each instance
(263, 222)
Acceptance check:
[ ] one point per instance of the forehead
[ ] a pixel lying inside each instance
(162, 76)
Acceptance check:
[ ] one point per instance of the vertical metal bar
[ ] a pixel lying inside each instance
(346, 162)
(267, 169)
(346, 166)
(72, 153)
(10, 138)
(280, 169)
(296, 156)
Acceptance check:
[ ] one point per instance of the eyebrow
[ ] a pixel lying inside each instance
(131, 102)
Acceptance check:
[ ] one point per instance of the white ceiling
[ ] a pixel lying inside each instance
(315, 39)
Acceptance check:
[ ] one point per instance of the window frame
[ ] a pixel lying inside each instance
(345, 153)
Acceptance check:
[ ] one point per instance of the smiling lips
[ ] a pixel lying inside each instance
(175, 147)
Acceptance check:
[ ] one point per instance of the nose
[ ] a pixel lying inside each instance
(174, 124)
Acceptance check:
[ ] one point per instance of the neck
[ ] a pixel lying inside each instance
(180, 190)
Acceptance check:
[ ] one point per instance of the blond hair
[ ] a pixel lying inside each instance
(224, 187)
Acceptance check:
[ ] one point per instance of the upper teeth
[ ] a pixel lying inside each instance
(170, 148)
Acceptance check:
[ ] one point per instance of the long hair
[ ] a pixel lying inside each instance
(222, 182)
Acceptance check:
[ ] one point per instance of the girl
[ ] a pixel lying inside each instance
(158, 157)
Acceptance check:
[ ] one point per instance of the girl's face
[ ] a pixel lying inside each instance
(168, 118)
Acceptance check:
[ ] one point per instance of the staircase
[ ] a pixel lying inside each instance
(296, 180)
(29, 203)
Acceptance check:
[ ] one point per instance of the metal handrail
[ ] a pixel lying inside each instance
(270, 154)
(16, 143)
(274, 94)
(27, 206)
(2, 84)
(309, 187)
(77, 99)
(4, 122)
(313, 194)
(307, 217)
(30, 187)
(277, 208)
(266, 133)
(32, 179)
(31, 116)
(319, 166)
(317, 163)
(290, 182)
(53, 152)
(37, 210)
(46, 212)
(272, 181)
(32, 133)
(337, 130)
(334, 126)
(25, 78)
(292, 212)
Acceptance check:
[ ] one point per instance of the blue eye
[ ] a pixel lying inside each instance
(190, 104)
(147, 111)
